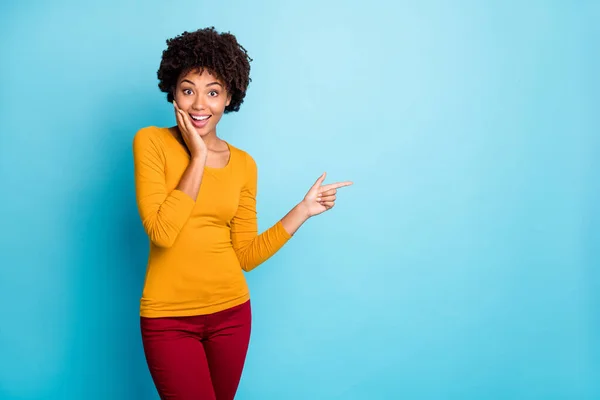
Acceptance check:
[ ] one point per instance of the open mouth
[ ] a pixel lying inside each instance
(200, 117)
(200, 121)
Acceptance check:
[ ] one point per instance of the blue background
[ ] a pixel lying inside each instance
(462, 264)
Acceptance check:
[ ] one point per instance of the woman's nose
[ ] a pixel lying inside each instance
(198, 103)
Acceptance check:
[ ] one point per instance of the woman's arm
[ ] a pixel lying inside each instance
(163, 213)
(253, 249)
(294, 219)
(192, 177)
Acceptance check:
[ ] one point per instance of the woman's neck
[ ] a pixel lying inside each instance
(212, 141)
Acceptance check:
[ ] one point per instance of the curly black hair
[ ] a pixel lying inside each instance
(219, 53)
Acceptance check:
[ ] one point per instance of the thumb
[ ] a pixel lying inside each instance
(320, 180)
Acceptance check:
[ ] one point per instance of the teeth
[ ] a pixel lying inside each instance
(200, 118)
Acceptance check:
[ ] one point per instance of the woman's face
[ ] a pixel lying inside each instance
(204, 98)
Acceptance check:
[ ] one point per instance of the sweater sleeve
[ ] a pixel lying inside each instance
(163, 213)
(251, 248)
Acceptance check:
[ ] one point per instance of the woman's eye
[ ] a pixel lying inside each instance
(213, 93)
(187, 91)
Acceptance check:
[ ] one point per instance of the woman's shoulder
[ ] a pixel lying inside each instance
(151, 132)
(153, 136)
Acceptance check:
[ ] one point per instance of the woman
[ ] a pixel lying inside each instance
(196, 195)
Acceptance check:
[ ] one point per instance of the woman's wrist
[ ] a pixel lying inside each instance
(303, 210)
(200, 157)
(294, 219)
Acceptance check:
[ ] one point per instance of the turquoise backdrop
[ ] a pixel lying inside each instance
(463, 263)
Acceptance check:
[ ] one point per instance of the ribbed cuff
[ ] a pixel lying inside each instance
(281, 232)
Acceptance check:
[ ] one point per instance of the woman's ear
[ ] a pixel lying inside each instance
(228, 100)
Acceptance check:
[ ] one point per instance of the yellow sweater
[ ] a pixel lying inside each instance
(198, 247)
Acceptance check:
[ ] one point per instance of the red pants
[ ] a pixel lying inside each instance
(199, 357)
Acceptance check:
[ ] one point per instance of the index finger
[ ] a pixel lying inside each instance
(336, 185)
